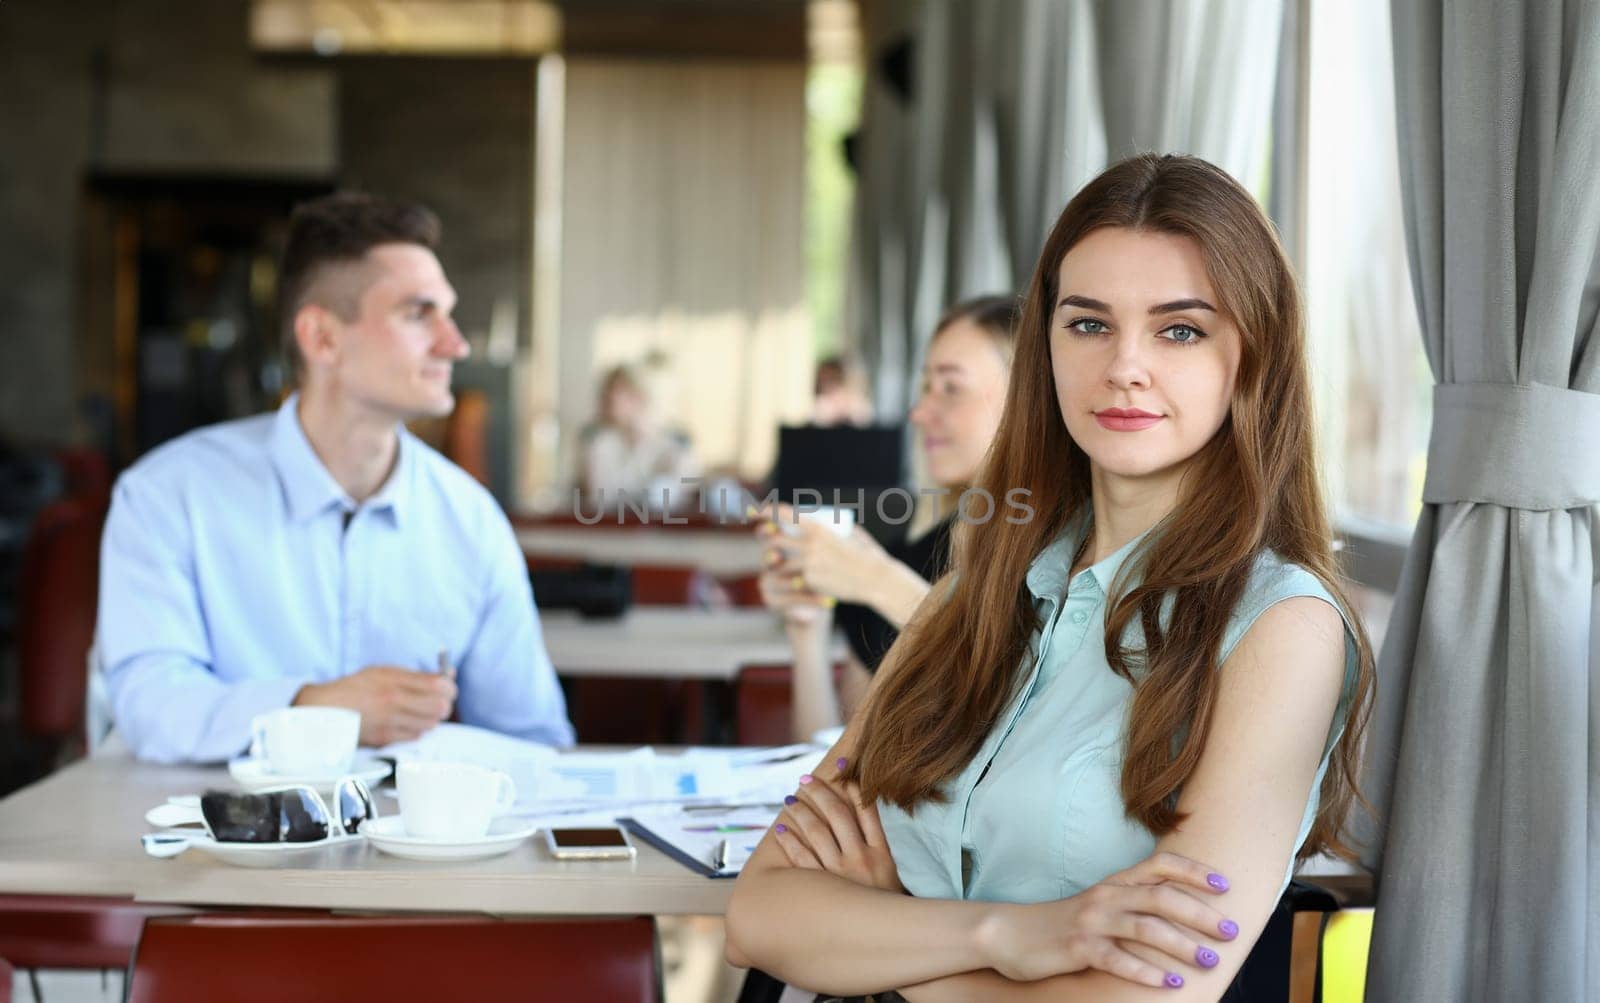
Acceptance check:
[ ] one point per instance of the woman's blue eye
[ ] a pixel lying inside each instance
(1183, 334)
(1087, 325)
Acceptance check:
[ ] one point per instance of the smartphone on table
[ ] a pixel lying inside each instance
(601, 842)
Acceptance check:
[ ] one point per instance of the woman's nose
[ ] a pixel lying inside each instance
(1127, 368)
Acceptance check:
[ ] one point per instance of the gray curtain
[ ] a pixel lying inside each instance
(1015, 104)
(1485, 751)
(959, 179)
(1191, 76)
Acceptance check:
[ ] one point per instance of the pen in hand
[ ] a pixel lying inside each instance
(448, 671)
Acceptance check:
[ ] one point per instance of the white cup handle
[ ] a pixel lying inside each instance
(506, 794)
(258, 738)
(165, 844)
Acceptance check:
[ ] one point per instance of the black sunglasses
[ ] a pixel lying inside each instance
(286, 815)
(296, 814)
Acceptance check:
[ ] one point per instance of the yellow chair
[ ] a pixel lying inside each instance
(1345, 943)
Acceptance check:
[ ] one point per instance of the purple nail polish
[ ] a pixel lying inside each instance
(841, 763)
(1173, 980)
(781, 827)
(805, 778)
(1228, 928)
(1206, 957)
(790, 799)
(1217, 881)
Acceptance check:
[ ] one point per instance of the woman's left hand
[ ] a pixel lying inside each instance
(825, 826)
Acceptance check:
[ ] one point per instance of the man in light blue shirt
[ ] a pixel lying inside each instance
(323, 554)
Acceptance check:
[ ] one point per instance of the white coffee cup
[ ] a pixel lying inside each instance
(840, 519)
(451, 801)
(306, 741)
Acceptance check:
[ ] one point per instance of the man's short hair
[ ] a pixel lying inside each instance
(336, 230)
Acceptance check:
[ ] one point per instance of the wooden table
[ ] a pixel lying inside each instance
(668, 642)
(721, 553)
(77, 833)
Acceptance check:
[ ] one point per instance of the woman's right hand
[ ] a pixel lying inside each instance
(1157, 903)
(782, 592)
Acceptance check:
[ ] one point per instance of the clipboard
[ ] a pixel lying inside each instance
(682, 856)
(688, 845)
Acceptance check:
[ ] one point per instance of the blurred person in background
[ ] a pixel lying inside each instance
(840, 393)
(817, 578)
(627, 454)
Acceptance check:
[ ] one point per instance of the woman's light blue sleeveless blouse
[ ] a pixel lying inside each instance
(1038, 813)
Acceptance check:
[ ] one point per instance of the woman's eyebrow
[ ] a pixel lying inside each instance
(1175, 306)
(1085, 302)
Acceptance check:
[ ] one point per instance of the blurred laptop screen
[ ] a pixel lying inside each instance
(841, 457)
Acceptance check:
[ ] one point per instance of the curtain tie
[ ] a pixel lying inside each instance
(1524, 447)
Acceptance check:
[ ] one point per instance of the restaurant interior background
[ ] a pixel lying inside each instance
(718, 192)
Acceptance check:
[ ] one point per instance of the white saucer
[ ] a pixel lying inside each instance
(389, 835)
(267, 854)
(253, 775)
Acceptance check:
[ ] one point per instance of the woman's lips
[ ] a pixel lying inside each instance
(1131, 419)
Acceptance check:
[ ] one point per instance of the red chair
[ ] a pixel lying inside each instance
(7, 976)
(631, 711)
(466, 435)
(763, 703)
(643, 711)
(70, 931)
(246, 959)
(87, 472)
(743, 591)
(57, 595)
(666, 585)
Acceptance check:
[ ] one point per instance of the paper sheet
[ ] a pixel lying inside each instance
(570, 785)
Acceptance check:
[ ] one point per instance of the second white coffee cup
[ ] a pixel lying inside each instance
(451, 800)
(306, 741)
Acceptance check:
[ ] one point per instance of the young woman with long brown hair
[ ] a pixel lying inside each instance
(1096, 752)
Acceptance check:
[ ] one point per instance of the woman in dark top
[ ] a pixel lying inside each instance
(867, 633)
(817, 577)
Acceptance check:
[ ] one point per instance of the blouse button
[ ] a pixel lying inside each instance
(1079, 617)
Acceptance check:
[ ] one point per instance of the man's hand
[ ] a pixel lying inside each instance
(396, 704)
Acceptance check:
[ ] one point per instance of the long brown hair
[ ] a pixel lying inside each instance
(1252, 487)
